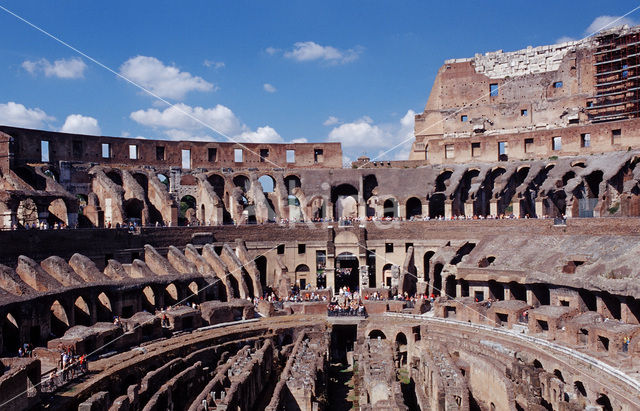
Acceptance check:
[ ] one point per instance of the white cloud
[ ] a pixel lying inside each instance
(363, 133)
(79, 124)
(608, 22)
(332, 120)
(299, 140)
(264, 134)
(165, 81)
(219, 117)
(63, 68)
(177, 125)
(269, 88)
(564, 39)
(17, 115)
(310, 51)
(272, 50)
(215, 64)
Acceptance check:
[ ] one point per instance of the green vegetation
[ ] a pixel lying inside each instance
(614, 208)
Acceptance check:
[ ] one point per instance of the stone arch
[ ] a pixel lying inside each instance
(401, 345)
(413, 207)
(386, 274)
(81, 312)
(441, 180)
(390, 208)
(317, 207)
(369, 186)
(295, 211)
(164, 180)
(114, 175)
(242, 181)
(303, 275)
(188, 207)
(29, 176)
(604, 401)
(345, 200)
(427, 263)
(347, 271)
(217, 183)
(59, 321)
(148, 300)
(579, 389)
(133, 209)
(450, 286)
(436, 205)
(171, 296)
(268, 183)
(104, 308)
(292, 181)
(193, 291)
(437, 278)
(10, 334)
(373, 334)
(262, 264)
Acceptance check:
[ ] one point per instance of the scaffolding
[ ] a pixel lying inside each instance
(617, 75)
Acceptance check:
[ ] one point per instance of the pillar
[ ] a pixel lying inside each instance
(425, 209)
(493, 207)
(539, 207)
(447, 209)
(516, 208)
(468, 208)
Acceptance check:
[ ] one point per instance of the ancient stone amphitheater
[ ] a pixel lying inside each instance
(495, 269)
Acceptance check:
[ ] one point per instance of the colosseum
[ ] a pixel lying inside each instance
(492, 270)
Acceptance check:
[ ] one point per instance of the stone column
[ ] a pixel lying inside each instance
(425, 209)
(493, 207)
(468, 208)
(447, 209)
(540, 206)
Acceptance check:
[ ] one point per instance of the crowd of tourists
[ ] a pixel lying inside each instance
(70, 365)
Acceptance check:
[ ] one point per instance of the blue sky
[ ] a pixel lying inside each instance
(278, 71)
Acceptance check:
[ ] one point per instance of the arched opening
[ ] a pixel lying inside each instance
(29, 176)
(133, 210)
(345, 200)
(163, 179)
(234, 287)
(518, 291)
(268, 183)
(318, 208)
(81, 312)
(414, 208)
(243, 182)
(579, 389)
(442, 180)
(249, 282)
(104, 310)
(401, 349)
(148, 300)
(437, 278)
(496, 290)
(302, 276)
(217, 183)
(346, 273)
(386, 274)
(450, 286)
(537, 364)
(390, 208)
(463, 191)
(295, 213)
(10, 335)
(374, 334)
(291, 182)
(604, 402)
(27, 213)
(427, 264)
(115, 177)
(369, 186)
(83, 221)
(436, 205)
(558, 374)
(261, 264)
(59, 321)
(170, 295)
(187, 210)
